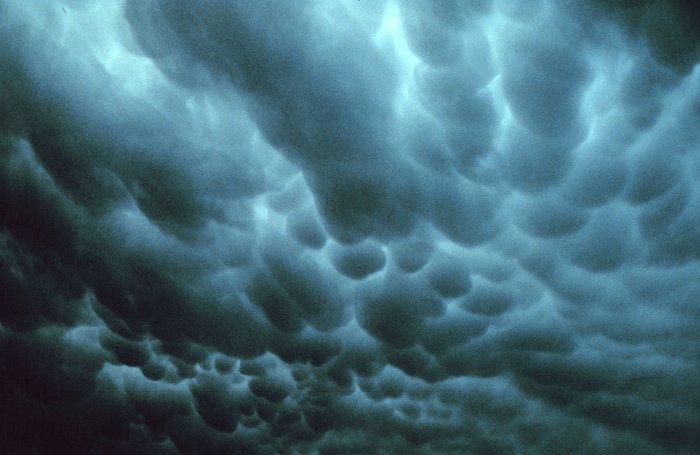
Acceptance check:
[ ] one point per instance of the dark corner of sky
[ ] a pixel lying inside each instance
(349, 227)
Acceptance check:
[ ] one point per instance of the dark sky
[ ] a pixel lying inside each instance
(349, 227)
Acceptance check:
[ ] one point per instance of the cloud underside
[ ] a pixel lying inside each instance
(349, 227)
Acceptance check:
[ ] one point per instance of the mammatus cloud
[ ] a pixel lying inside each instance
(349, 227)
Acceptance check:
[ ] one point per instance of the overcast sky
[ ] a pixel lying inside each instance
(349, 227)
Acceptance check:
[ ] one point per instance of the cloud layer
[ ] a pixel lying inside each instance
(349, 227)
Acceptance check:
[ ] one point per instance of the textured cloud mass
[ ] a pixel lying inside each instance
(416, 227)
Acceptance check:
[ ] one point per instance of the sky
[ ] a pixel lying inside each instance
(349, 226)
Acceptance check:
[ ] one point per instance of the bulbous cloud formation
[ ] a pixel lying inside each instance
(349, 227)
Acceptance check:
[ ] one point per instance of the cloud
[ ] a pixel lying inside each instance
(349, 227)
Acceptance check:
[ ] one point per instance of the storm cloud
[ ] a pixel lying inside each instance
(349, 226)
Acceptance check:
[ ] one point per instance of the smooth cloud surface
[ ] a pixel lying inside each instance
(349, 227)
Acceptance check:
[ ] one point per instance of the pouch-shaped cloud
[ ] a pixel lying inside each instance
(349, 227)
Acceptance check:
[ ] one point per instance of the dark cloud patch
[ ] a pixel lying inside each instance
(477, 358)
(451, 87)
(543, 84)
(449, 276)
(305, 228)
(542, 338)
(604, 244)
(125, 351)
(669, 28)
(550, 218)
(465, 213)
(489, 301)
(217, 404)
(434, 31)
(358, 261)
(332, 133)
(411, 254)
(394, 313)
(307, 286)
(439, 334)
(533, 162)
(275, 302)
(344, 227)
(650, 177)
(50, 370)
(596, 177)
